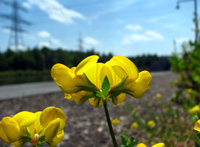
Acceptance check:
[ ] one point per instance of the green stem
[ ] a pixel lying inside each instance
(112, 134)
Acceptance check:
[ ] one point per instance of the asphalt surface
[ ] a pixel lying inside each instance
(27, 89)
(31, 89)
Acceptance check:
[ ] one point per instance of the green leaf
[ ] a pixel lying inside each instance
(25, 139)
(99, 94)
(90, 87)
(127, 142)
(198, 134)
(105, 87)
(86, 97)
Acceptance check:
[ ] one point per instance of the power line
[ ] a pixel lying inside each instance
(15, 39)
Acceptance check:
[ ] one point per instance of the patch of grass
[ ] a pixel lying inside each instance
(24, 76)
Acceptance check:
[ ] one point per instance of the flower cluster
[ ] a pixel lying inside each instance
(100, 81)
(41, 127)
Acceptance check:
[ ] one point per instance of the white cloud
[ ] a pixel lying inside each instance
(153, 35)
(26, 4)
(182, 40)
(55, 41)
(44, 44)
(134, 27)
(51, 40)
(6, 30)
(57, 11)
(146, 36)
(90, 41)
(19, 47)
(44, 34)
(113, 6)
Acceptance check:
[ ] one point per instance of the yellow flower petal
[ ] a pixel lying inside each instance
(52, 129)
(65, 78)
(194, 109)
(24, 118)
(3, 136)
(51, 113)
(134, 125)
(115, 121)
(17, 144)
(140, 85)
(36, 126)
(57, 139)
(159, 145)
(141, 145)
(94, 74)
(96, 102)
(85, 64)
(118, 99)
(11, 129)
(197, 126)
(151, 124)
(158, 96)
(124, 67)
(107, 71)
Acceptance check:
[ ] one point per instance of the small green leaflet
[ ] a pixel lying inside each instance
(105, 87)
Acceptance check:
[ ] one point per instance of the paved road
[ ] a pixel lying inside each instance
(30, 89)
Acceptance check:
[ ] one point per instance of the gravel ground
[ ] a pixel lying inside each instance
(86, 126)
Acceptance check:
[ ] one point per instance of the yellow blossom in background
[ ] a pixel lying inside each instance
(156, 145)
(49, 124)
(197, 126)
(189, 90)
(151, 124)
(159, 145)
(194, 109)
(85, 82)
(134, 125)
(141, 145)
(37, 128)
(158, 96)
(13, 128)
(115, 121)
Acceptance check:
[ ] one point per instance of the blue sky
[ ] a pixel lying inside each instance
(123, 27)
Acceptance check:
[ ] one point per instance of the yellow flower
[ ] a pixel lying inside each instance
(69, 79)
(42, 126)
(159, 145)
(151, 124)
(115, 121)
(13, 128)
(87, 80)
(141, 145)
(197, 126)
(134, 125)
(194, 109)
(189, 90)
(49, 125)
(136, 83)
(158, 96)
(156, 145)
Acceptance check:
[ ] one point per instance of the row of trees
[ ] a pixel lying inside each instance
(45, 58)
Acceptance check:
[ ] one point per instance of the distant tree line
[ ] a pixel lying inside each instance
(45, 58)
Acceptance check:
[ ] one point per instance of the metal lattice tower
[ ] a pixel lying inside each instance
(15, 40)
(80, 43)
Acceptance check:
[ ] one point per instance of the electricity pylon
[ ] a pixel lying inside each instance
(80, 43)
(15, 40)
